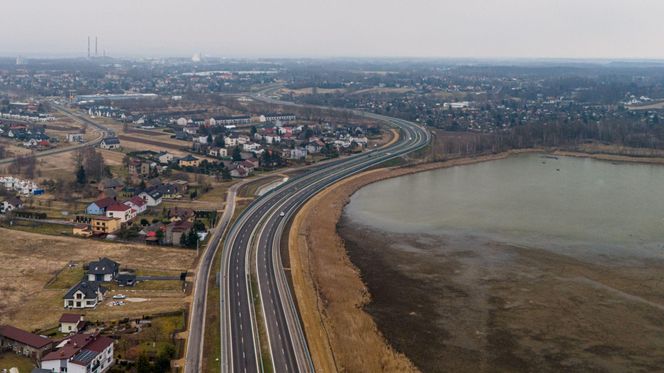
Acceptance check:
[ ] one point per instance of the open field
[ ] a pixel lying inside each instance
(34, 260)
(11, 360)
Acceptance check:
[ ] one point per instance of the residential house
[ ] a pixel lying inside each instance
(190, 129)
(239, 171)
(152, 198)
(250, 146)
(81, 353)
(100, 206)
(224, 121)
(165, 158)
(169, 191)
(71, 323)
(31, 143)
(189, 161)
(105, 225)
(75, 137)
(315, 146)
(120, 211)
(137, 204)
(217, 152)
(176, 230)
(231, 140)
(272, 117)
(243, 139)
(85, 294)
(10, 204)
(102, 270)
(114, 184)
(23, 343)
(110, 143)
(297, 153)
(175, 214)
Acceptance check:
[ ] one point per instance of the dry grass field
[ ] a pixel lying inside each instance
(31, 261)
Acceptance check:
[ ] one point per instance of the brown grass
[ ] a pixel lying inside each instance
(30, 261)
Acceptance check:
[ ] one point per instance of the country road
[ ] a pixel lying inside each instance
(103, 132)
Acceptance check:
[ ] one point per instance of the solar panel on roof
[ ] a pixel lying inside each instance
(85, 356)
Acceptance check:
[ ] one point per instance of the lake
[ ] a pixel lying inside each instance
(571, 205)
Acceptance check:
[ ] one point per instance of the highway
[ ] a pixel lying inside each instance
(194, 354)
(255, 239)
(103, 132)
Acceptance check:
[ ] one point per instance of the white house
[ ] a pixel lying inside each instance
(120, 211)
(181, 122)
(102, 270)
(217, 152)
(10, 204)
(272, 139)
(82, 353)
(110, 143)
(85, 294)
(71, 323)
(250, 146)
(165, 158)
(153, 198)
(75, 137)
(230, 141)
(137, 204)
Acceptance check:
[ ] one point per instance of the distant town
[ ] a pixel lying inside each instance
(123, 178)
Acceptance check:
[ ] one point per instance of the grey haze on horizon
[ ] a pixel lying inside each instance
(318, 28)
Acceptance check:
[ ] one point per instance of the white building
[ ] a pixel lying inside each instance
(85, 294)
(166, 158)
(71, 323)
(82, 353)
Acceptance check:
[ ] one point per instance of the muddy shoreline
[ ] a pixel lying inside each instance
(368, 302)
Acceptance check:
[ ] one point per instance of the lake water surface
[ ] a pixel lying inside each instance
(576, 205)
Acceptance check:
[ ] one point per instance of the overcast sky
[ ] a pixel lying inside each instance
(342, 28)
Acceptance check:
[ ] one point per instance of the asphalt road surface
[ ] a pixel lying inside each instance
(258, 231)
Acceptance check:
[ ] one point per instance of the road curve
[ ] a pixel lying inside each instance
(256, 235)
(103, 132)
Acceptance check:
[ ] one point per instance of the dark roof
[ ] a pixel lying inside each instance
(189, 158)
(70, 317)
(40, 370)
(84, 357)
(119, 207)
(104, 202)
(14, 201)
(111, 141)
(103, 265)
(155, 194)
(111, 183)
(88, 288)
(26, 338)
(77, 344)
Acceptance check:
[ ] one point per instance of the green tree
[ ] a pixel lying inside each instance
(143, 364)
(237, 154)
(80, 176)
(225, 174)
